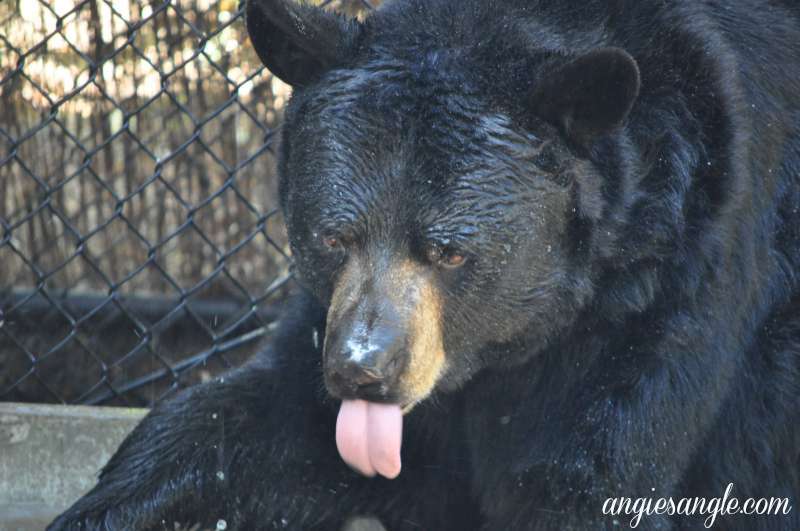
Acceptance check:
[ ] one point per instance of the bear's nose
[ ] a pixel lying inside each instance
(366, 366)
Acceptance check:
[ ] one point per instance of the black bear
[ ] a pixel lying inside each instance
(549, 254)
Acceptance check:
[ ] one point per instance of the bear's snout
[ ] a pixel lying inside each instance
(383, 339)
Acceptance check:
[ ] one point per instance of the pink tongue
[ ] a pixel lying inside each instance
(368, 436)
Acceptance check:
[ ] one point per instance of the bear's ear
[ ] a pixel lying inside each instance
(296, 41)
(589, 96)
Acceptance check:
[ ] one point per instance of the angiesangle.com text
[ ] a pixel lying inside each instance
(639, 508)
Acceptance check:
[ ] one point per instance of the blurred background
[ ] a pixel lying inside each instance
(140, 246)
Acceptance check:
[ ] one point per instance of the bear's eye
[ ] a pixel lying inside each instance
(333, 242)
(453, 260)
(446, 257)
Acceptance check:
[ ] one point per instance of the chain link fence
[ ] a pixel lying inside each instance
(140, 245)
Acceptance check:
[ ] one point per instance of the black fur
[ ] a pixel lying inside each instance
(627, 322)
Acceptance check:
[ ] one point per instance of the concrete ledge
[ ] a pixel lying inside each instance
(51, 455)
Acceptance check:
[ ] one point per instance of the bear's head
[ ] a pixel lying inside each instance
(443, 186)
